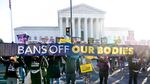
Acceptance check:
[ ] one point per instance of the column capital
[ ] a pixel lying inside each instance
(79, 18)
(73, 18)
(85, 18)
(91, 18)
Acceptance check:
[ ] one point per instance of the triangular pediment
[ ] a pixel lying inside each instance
(82, 8)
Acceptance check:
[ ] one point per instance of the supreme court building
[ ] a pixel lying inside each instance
(87, 23)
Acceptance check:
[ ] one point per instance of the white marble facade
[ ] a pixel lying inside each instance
(87, 22)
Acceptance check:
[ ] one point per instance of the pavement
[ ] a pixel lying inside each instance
(119, 76)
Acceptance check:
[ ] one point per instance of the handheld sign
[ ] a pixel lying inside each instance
(85, 68)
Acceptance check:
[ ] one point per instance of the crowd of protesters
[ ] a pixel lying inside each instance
(47, 69)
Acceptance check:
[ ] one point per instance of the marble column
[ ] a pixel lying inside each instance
(91, 28)
(73, 27)
(101, 27)
(61, 26)
(79, 27)
(67, 22)
(85, 30)
(97, 29)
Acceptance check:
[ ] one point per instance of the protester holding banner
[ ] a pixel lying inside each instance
(22, 39)
(35, 69)
(103, 69)
(21, 72)
(70, 69)
(12, 69)
(53, 69)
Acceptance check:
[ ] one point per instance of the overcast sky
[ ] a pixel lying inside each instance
(132, 14)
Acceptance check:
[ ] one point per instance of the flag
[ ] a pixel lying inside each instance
(10, 4)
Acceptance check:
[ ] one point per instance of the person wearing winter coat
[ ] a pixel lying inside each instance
(53, 71)
(12, 65)
(35, 68)
(134, 67)
(70, 69)
(103, 66)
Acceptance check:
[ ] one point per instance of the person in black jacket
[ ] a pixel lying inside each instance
(70, 70)
(35, 69)
(134, 67)
(12, 65)
(53, 71)
(35, 66)
(103, 69)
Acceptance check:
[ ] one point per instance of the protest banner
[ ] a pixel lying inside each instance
(85, 68)
(56, 49)
(63, 40)
(8, 49)
(43, 49)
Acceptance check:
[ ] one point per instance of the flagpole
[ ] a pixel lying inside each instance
(71, 20)
(11, 20)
